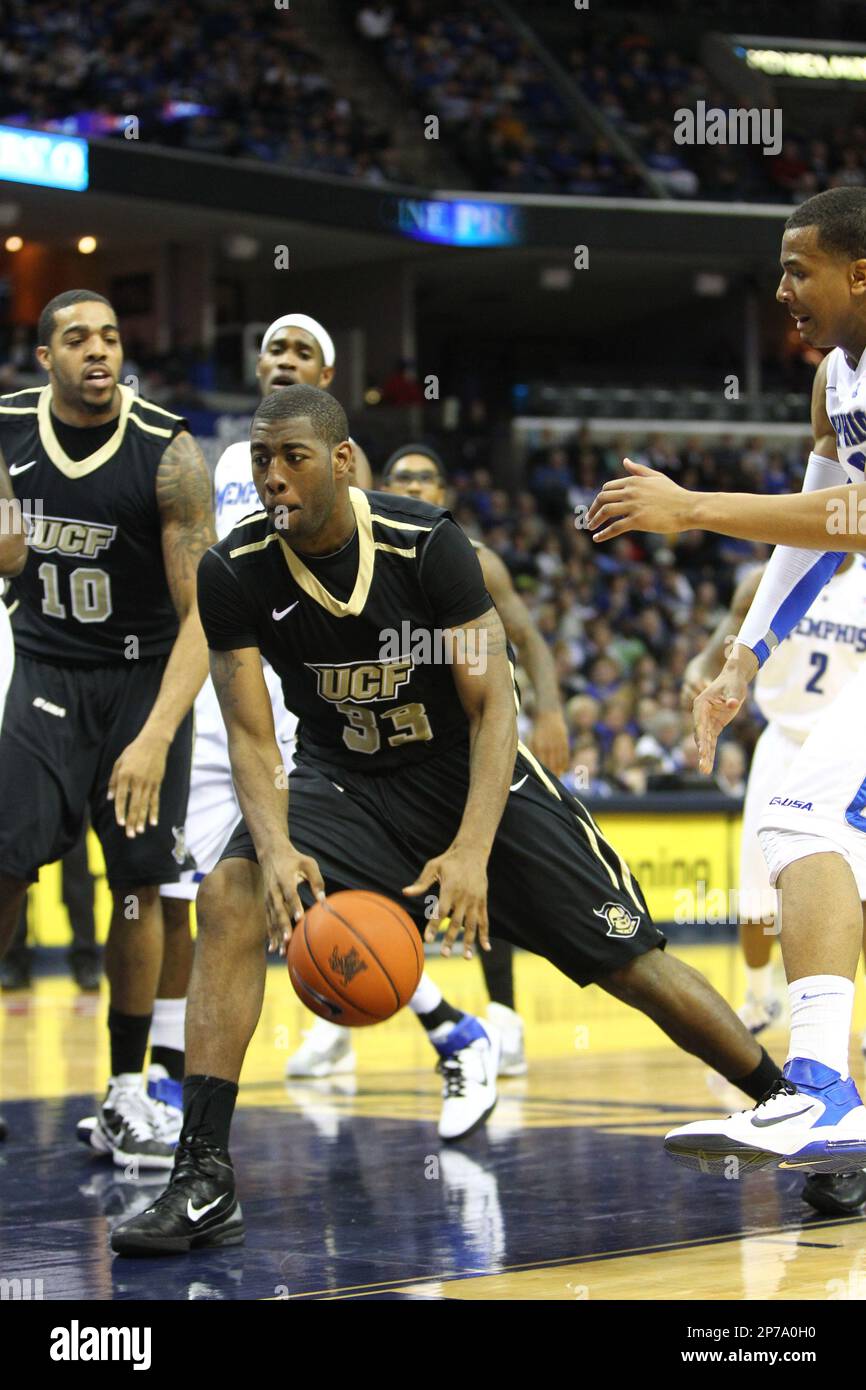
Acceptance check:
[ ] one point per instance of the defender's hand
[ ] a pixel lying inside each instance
(462, 878)
(135, 782)
(549, 741)
(695, 680)
(646, 501)
(714, 709)
(282, 870)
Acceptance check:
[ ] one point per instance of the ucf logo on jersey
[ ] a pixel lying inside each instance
(361, 681)
(620, 922)
(50, 533)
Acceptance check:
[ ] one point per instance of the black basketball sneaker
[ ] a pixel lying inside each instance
(836, 1194)
(198, 1209)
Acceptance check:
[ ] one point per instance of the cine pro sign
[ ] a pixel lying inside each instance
(457, 222)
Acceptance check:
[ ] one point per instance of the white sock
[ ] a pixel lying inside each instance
(759, 981)
(169, 1018)
(821, 1008)
(427, 997)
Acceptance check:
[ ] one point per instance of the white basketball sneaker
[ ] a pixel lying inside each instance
(326, 1050)
(812, 1120)
(468, 1061)
(133, 1128)
(758, 1014)
(512, 1058)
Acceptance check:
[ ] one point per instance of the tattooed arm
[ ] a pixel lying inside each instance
(13, 546)
(486, 691)
(185, 500)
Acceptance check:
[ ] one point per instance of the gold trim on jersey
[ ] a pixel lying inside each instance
(395, 550)
(245, 520)
(151, 429)
(311, 586)
(22, 409)
(400, 525)
(151, 405)
(79, 468)
(254, 545)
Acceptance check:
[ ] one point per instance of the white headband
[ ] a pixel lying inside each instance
(322, 337)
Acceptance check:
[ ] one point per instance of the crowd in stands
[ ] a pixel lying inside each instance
(221, 79)
(500, 111)
(624, 619)
(247, 82)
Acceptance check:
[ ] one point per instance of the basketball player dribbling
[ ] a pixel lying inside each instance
(397, 798)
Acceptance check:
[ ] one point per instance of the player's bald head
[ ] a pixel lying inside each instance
(326, 415)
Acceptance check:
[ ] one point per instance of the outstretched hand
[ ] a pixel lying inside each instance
(647, 500)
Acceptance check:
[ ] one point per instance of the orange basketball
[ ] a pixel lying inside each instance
(356, 958)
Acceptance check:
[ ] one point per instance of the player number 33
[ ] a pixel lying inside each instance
(363, 736)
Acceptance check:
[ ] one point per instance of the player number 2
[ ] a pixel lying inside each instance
(818, 659)
(363, 736)
(89, 593)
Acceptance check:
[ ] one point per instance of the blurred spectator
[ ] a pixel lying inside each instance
(731, 769)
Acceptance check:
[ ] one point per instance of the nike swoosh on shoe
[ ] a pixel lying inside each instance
(196, 1213)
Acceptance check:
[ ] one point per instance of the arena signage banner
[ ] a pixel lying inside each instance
(52, 161)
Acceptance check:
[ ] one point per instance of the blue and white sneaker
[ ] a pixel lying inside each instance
(469, 1062)
(812, 1120)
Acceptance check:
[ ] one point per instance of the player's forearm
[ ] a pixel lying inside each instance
(261, 784)
(492, 750)
(712, 656)
(535, 657)
(182, 679)
(829, 519)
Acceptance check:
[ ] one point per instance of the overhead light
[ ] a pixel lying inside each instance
(241, 247)
(14, 243)
(87, 245)
(710, 285)
(556, 277)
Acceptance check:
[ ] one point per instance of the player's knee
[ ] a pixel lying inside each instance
(225, 903)
(637, 980)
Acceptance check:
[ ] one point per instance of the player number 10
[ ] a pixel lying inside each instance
(89, 592)
(363, 736)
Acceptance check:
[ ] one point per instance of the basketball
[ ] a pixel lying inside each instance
(356, 958)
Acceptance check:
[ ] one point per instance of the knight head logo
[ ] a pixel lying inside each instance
(347, 966)
(620, 922)
(180, 854)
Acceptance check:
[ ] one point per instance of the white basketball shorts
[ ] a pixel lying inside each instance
(821, 793)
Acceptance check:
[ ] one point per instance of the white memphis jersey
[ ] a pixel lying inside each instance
(235, 497)
(818, 658)
(235, 493)
(846, 409)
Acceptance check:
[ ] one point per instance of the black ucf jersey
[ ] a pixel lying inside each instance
(94, 577)
(360, 640)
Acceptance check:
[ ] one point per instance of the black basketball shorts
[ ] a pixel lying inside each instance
(556, 886)
(63, 730)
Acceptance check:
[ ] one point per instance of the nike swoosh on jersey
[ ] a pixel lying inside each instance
(196, 1213)
(277, 616)
(515, 786)
(16, 468)
(779, 1119)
